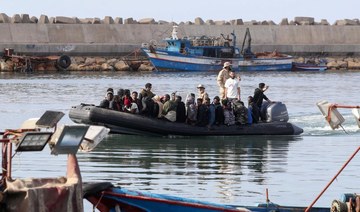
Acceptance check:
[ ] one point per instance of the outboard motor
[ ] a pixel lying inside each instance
(276, 111)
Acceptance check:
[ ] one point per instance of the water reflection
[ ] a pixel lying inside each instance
(210, 168)
(234, 170)
(231, 170)
(204, 157)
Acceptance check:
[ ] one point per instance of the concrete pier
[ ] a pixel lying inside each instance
(105, 44)
(120, 39)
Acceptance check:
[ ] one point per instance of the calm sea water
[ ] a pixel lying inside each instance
(231, 170)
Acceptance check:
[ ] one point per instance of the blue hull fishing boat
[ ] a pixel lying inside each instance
(209, 54)
(106, 197)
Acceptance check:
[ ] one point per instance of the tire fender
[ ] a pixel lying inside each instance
(63, 61)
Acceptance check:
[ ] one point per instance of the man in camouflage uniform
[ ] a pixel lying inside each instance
(222, 77)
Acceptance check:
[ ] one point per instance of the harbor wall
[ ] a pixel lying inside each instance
(121, 39)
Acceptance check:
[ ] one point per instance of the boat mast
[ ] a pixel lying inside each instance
(246, 51)
(234, 41)
(174, 33)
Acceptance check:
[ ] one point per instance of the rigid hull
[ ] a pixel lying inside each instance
(164, 60)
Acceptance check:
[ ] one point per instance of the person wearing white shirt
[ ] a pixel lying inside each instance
(232, 87)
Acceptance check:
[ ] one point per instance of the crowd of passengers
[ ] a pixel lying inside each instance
(198, 111)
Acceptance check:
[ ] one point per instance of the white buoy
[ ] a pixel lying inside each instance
(336, 119)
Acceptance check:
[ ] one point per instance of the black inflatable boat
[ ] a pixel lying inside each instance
(133, 124)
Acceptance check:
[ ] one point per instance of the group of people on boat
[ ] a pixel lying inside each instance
(229, 89)
(225, 109)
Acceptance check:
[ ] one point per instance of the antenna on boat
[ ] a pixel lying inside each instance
(234, 38)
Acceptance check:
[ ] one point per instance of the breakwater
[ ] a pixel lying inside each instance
(115, 37)
(98, 37)
(80, 63)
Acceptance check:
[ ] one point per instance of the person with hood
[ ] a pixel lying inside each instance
(180, 110)
(219, 111)
(169, 109)
(191, 109)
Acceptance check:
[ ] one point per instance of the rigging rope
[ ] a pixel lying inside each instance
(332, 180)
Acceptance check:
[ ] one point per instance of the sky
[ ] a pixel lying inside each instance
(187, 10)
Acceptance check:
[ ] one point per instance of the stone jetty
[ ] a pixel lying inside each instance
(112, 43)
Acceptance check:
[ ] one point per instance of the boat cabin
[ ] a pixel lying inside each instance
(203, 46)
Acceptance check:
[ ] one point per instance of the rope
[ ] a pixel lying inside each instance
(95, 206)
(328, 117)
(343, 129)
(135, 52)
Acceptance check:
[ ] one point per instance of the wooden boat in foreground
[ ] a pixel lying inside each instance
(133, 124)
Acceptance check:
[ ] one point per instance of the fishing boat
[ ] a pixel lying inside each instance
(135, 124)
(210, 53)
(308, 67)
(106, 197)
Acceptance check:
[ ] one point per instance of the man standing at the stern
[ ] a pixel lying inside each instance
(222, 77)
